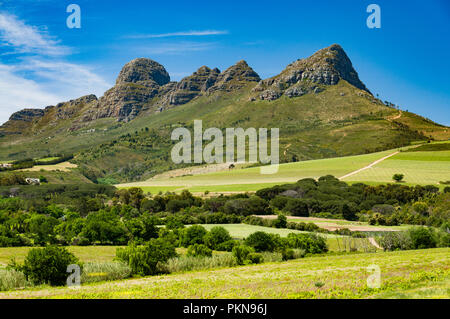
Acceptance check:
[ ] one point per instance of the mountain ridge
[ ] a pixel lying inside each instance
(319, 104)
(143, 79)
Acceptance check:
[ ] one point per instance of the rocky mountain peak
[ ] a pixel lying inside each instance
(143, 70)
(27, 115)
(235, 77)
(325, 67)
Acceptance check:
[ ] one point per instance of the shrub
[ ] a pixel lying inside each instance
(310, 243)
(447, 189)
(297, 207)
(395, 241)
(241, 253)
(255, 258)
(420, 207)
(227, 246)
(12, 279)
(261, 241)
(193, 235)
(146, 260)
(101, 271)
(186, 263)
(279, 202)
(398, 177)
(280, 222)
(287, 254)
(47, 265)
(216, 236)
(199, 250)
(422, 238)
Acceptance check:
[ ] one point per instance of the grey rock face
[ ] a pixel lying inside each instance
(143, 70)
(138, 82)
(326, 67)
(194, 85)
(235, 77)
(27, 115)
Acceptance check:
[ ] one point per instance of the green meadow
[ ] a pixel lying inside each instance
(404, 274)
(427, 167)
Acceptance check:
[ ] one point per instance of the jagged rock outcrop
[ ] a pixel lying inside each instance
(194, 85)
(139, 81)
(235, 77)
(326, 67)
(67, 110)
(144, 85)
(207, 81)
(27, 115)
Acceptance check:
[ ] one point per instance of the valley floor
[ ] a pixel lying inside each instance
(404, 274)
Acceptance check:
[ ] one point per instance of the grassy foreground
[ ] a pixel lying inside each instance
(404, 274)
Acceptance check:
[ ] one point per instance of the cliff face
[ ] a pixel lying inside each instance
(143, 83)
(326, 67)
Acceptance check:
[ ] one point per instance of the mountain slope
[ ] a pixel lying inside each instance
(320, 105)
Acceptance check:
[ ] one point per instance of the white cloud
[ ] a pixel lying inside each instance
(68, 80)
(73, 79)
(23, 38)
(37, 77)
(17, 93)
(179, 34)
(177, 48)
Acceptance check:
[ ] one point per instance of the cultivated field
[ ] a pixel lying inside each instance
(422, 168)
(250, 179)
(404, 274)
(333, 224)
(240, 231)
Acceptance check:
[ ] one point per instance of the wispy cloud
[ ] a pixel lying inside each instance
(39, 75)
(23, 38)
(179, 34)
(177, 48)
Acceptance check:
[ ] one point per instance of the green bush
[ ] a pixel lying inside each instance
(310, 243)
(261, 241)
(227, 246)
(391, 241)
(12, 279)
(193, 235)
(297, 207)
(146, 260)
(187, 263)
(47, 265)
(255, 258)
(422, 238)
(241, 253)
(199, 250)
(280, 222)
(216, 236)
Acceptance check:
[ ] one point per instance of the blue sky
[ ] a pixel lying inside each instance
(43, 62)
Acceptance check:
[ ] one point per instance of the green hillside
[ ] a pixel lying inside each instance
(125, 135)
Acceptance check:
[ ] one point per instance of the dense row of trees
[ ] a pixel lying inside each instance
(99, 214)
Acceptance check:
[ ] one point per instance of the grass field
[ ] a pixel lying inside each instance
(84, 253)
(332, 224)
(404, 274)
(419, 167)
(250, 179)
(240, 231)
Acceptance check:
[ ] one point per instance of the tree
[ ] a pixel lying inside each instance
(348, 213)
(398, 177)
(193, 235)
(297, 207)
(216, 236)
(261, 241)
(47, 265)
(145, 260)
